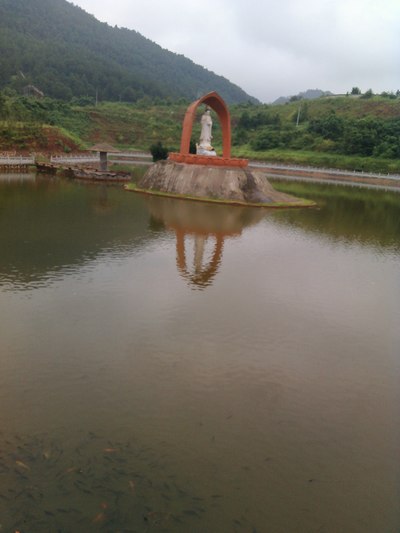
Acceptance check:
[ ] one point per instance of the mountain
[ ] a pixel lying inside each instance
(310, 94)
(63, 51)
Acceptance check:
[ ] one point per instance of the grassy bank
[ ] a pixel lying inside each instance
(322, 160)
(136, 172)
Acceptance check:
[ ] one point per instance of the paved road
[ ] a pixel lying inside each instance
(315, 170)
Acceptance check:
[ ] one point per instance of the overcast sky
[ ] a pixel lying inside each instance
(273, 48)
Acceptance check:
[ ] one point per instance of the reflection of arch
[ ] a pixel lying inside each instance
(202, 276)
(197, 222)
(218, 105)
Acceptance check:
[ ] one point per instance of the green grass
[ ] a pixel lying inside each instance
(320, 159)
(323, 190)
(73, 137)
(136, 172)
(301, 202)
(342, 105)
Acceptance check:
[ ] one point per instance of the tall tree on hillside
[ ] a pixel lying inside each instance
(60, 48)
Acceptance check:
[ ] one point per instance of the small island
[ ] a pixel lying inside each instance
(207, 177)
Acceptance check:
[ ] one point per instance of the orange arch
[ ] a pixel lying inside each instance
(216, 103)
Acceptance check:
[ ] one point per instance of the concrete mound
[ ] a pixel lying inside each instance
(239, 186)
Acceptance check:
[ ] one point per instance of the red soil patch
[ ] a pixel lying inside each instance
(46, 140)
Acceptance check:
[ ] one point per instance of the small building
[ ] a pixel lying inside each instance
(103, 149)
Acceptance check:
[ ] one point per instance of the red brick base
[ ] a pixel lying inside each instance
(206, 160)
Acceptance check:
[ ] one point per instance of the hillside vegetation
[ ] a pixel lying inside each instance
(348, 132)
(65, 53)
(342, 132)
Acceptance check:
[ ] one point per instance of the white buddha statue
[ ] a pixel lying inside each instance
(205, 147)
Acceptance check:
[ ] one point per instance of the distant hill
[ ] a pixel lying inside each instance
(65, 52)
(310, 94)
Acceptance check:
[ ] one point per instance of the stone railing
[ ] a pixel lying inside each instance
(74, 159)
(131, 155)
(322, 170)
(17, 161)
(79, 159)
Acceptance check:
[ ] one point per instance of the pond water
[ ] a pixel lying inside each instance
(175, 366)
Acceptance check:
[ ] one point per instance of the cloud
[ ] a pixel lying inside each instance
(272, 49)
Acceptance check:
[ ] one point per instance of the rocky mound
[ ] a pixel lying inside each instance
(218, 184)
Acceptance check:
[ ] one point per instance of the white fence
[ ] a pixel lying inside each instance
(333, 171)
(74, 159)
(17, 161)
(12, 160)
(95, 158)
(132, 155)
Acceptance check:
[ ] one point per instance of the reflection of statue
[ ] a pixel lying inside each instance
(203, 275)
(206, 226)
(205, 147)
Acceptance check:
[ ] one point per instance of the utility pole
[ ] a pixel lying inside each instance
(298, 116)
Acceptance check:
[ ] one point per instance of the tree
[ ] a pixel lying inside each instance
(2, 104)
(245, 120)
(368, 94)
(329, 127)
(192, 148)
(266, 139)
(158, 151)
(361, 136)
(391, 95)
(355, 90)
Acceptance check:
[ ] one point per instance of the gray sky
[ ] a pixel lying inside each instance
(273, 48)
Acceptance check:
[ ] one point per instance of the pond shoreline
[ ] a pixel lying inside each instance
(329, 175)
(272, 170)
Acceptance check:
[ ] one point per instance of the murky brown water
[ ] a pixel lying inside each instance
(173, 366)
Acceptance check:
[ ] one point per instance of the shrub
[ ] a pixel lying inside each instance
(367, 94)
(192, 148)
(158, 151)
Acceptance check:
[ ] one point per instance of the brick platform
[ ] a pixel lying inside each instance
(205, 160)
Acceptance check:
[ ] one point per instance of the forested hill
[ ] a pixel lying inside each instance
(65, 52)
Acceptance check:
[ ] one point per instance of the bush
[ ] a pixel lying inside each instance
(192, 148)
(367, 94)
(265, 140)
(329, 127)
(158, 151)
